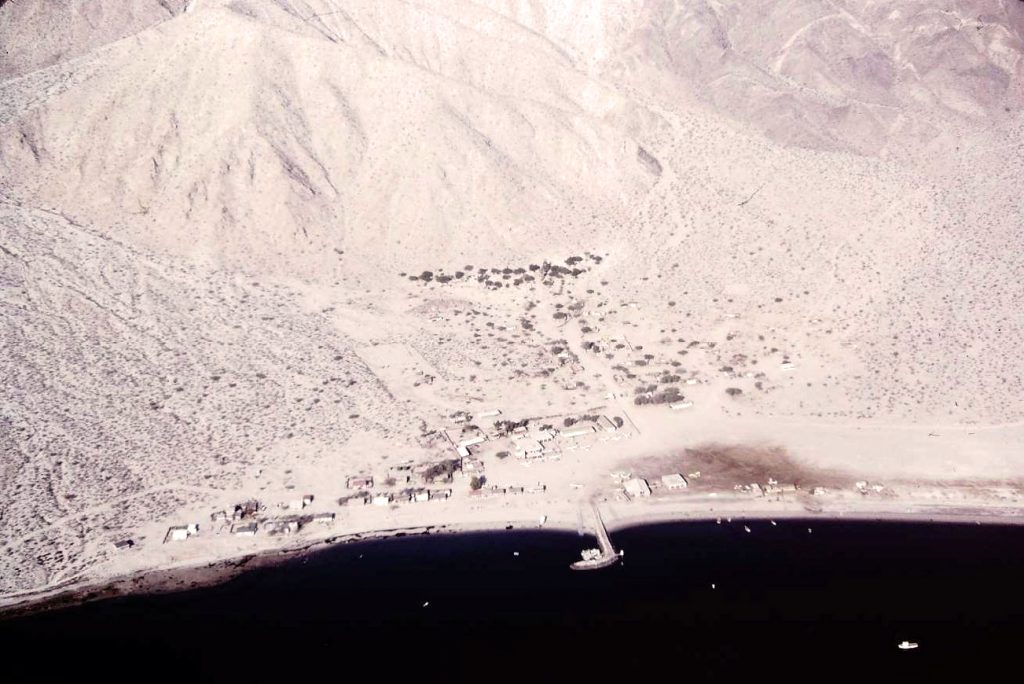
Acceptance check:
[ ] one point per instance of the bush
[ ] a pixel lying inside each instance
(477, 482)
(733, 391)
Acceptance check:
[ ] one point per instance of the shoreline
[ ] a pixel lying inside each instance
(618, 517)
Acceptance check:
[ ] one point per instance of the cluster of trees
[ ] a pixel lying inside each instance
(666, 396)
(442, 470)
(505, 427)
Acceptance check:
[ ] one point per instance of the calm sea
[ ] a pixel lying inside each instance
(692, 600)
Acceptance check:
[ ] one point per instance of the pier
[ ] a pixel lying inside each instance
(606, 555)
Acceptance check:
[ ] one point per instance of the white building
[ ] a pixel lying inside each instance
(674, 481)
(382, 500)
(472, 440)
(637, 487)
(181, 532)
(576, 431)
(681, 405)
(528, 447)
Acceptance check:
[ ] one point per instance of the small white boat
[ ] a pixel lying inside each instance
(907, 645)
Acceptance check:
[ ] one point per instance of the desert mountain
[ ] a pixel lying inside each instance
(253, 245)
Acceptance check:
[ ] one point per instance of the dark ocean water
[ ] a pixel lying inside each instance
(830, 605)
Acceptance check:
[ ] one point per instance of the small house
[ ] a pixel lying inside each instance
(576, 431)
(637, 488)
(674, 481)
(360, 482)
(381, 500)
(246, 530)
(124, 544)
(528, 447)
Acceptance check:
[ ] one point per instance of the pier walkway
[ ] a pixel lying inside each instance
(609, 556)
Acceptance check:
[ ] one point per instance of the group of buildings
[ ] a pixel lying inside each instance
(487, 433)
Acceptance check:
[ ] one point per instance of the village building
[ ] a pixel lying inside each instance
(322, 518)
(472, 465)
(637, 488)
(489, 414)
(246, 509)
(576, 431)
(470, 441)
(675, 406)
(246, 530)
(605, 423)
(360, 482)
(307, 500)
(543, 435)
(440, 494)
(181, 532)
(381, 500)
(124, 544)
(421, 496)
(674, 481)
(528, 447)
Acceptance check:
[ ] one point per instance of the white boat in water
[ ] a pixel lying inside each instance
(907, 645)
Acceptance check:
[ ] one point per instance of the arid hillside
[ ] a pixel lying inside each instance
(255, 246)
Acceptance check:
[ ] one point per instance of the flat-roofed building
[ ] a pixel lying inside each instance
(637, 488)
(674, 481)
(576, 431)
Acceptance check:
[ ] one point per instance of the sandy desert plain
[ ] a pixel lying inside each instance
(499, 257)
